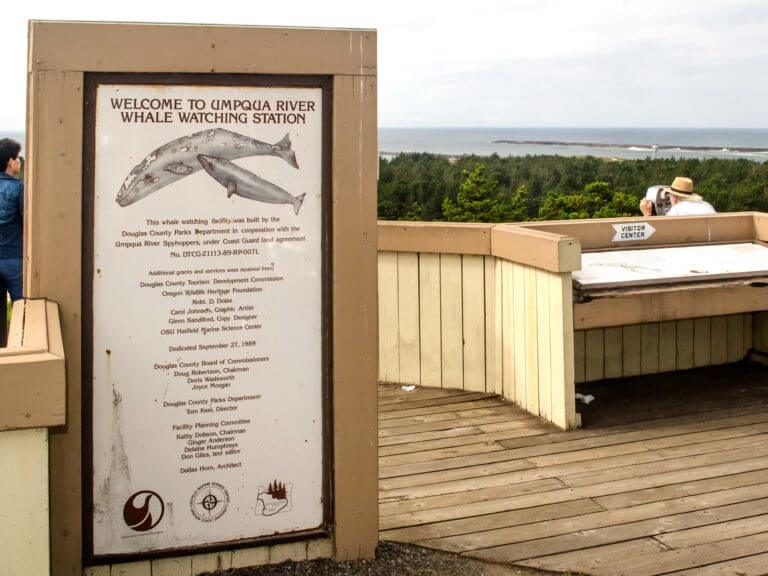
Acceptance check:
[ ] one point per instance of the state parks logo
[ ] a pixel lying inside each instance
(273, 499)
(143, 510)
(209, 502)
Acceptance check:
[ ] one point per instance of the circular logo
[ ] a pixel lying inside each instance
(143, 510)
(209, 502)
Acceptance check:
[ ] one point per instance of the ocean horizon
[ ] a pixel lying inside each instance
(620, 143)
(623, 143)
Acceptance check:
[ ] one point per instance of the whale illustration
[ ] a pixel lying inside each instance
(178, 159)
(239, 181)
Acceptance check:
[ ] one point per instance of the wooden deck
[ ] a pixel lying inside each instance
(659, 482)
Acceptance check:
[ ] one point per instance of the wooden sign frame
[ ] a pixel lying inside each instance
(61, 56)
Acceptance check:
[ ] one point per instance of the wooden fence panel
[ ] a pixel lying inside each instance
(473, 321)
(493, 325)
(389, 340)
(718, 340)
(452, 332)
(518, 329)
(429, 320)
(408, 318)
(507, 331)
(662, 347)
(544, 344)
(594, 352)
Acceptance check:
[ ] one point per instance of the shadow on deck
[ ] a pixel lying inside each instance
(669, 476)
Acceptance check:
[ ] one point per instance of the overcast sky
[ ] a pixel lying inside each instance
(688, 63)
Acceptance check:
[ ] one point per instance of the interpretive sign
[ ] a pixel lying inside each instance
(207, 314)
(671, 264)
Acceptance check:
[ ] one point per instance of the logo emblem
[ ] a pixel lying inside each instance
(143, 510)
(274, 499)
(209, 502)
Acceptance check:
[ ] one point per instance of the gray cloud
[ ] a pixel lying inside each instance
(503, 63)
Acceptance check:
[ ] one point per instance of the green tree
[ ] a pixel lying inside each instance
(480, 199)
(416, 185)
(597, 200)
(414, 213)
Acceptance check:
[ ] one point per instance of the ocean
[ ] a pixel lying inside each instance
(625, 143)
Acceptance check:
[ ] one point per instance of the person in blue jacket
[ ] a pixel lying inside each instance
(11, 218)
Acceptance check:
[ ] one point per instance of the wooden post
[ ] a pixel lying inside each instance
(58, 69)
(3, 315)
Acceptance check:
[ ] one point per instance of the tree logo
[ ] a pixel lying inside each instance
(143, 510)
(274, 498)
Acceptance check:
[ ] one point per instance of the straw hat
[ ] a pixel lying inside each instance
(683, 188)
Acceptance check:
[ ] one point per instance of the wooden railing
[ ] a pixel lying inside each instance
(485, 307)
(32, 399)
(3, 315)
(482, 308)
(32, 379)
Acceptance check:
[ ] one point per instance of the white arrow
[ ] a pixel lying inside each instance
(632, 231)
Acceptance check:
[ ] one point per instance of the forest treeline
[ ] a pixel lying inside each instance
(496, 189)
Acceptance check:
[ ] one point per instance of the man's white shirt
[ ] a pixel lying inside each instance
(691, 208)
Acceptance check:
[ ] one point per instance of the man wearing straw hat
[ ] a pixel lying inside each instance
(683, 200)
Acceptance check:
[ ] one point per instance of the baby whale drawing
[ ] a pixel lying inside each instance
(178, 159)
(246, 184)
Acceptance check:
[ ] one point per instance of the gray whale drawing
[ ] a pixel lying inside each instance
(246, 184)
(178, 159)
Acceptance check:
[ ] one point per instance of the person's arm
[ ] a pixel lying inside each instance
(20, 201)
(646, 207)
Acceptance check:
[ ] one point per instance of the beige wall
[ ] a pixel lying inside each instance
(484, 324)
(435, 313)
(761, 334)
(196, 564)
(481, 324)
(32, 368)
(489, 307)
(32, 388)
(536, 333)
(480, 307)
(60, 56)
(655, 347)
(24, 527)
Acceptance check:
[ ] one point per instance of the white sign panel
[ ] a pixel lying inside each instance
(671, 264)
(207, 315)
(632, 231)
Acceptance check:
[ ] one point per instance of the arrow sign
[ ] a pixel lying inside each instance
(633, 232)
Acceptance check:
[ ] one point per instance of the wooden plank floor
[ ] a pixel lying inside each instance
(639, 492)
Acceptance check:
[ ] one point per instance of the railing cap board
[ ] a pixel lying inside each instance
(32, 372)
(761, 226)
(435, 237)
(552, 252)
(514, 242)
(598, 233)
(557, 245)
(111, 46)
